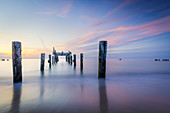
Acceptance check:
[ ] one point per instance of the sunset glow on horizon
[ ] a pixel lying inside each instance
(133, 28)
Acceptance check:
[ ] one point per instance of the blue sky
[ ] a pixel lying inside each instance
(137, 29)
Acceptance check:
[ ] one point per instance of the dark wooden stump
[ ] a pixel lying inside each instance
(102, 59)
(49, 61)
(16, 59)
(74, 59)
(42, 60)
(81, 61)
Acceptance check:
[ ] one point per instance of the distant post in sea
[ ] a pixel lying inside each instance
(102, 59)
(49, 61)
(71, 59)
(52, 59)
(42, 60)
(81, 61)
(74, 59)
(16, 59)
(66, 58)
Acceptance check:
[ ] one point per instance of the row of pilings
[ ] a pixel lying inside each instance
(72, 59)
(17, 60)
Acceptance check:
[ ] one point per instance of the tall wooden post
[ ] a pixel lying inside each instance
(16, 59)
(74, 59)
(49, 61)
(102, 59)
(42, 60)
(81, 61)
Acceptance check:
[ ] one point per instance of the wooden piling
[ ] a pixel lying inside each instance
(52, 59)
(81, 61)
(71, 59)
(42, 60)
(102, 59)
(74, 59)
(66, 58)
(16, 59)
(49, 61)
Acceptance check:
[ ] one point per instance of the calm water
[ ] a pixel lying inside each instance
(131, 86)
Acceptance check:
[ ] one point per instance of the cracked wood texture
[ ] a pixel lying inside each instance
(102, 59)
(17, 64)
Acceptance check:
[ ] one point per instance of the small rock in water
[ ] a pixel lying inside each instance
(165, 59)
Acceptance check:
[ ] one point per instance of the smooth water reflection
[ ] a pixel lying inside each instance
(16, 98)
(103, 96)
(130, 87)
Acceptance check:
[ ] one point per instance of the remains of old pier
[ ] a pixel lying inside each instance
(42, 60)
(17, 64)
(49, 61)
(74, 60)
(16, 60)
(57, 54)
(81, 61)
(102, 59)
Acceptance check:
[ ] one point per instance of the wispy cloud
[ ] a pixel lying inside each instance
(123, 35)
(66, 9)
(48, 11)
(60, 11)
(123, 4)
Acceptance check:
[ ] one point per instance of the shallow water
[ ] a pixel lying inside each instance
(131, 86)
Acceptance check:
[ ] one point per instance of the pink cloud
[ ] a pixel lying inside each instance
(123, 4)
(66, 9)
(122, 35)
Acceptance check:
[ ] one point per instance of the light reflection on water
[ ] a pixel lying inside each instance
(31, 67)
(131, 86)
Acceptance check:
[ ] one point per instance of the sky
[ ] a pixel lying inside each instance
(133, 29)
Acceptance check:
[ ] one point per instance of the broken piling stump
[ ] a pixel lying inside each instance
(66, 58)
(74, 59)
(49, 61)
(71, 59)
(53, 60)
(42, 60)
(102, 59)
(81, 61)
(16, 59)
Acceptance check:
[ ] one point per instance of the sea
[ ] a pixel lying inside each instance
(130, 86)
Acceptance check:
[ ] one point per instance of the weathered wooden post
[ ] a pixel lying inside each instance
(16, 59)
(81, 61)
(66, 58)
(52, 59)
(74, 59)
(42, 60)
(71, 59)
(102, 59)
(49, 61)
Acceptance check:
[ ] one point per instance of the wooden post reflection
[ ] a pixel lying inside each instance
(15, 104)
(103, 96)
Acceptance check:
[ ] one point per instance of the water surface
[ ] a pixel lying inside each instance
(130, 86)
